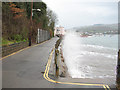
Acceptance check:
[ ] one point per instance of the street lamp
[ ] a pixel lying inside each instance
(35, 10)
(31, 21)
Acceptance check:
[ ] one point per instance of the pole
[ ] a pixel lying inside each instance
(31, 24)
(56, 57)
(38, 35)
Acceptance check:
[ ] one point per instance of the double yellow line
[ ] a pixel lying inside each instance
(106, 87)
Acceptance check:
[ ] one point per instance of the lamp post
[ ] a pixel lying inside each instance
(31, 27)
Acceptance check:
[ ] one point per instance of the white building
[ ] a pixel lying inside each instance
(59, 31)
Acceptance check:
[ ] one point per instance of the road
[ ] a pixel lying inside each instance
(23, 70)
(26, 68)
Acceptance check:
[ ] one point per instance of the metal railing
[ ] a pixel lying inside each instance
(42, 35)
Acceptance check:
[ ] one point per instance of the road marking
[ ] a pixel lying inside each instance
(82, 84)
(108, 87)
(104, 87)
(21, 50)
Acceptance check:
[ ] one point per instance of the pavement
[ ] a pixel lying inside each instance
(24, 69)
(29, 68)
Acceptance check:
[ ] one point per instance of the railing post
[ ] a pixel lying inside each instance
(56, 57)
(56, 63)
(38, 36)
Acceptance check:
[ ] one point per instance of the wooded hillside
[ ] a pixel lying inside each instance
(16, 20)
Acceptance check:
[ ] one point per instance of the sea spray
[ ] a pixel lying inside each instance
(70, 49)
(89, 60)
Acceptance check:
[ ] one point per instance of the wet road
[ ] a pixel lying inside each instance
(24, 69)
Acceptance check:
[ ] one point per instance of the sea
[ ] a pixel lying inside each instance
(91, 57)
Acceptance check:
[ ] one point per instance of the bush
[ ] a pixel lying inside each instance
(17, 38)
(6, 42)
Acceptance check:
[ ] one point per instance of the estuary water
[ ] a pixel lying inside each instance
(91, 57)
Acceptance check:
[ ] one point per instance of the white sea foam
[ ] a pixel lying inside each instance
(88, 61)
(98, 47)
(87, 53)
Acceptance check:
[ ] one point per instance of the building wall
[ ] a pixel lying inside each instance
(59, 31)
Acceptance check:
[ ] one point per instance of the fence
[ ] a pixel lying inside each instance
(6, 50)
(42, 35)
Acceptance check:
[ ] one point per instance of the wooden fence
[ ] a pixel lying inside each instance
(6, 50)
(42, 35)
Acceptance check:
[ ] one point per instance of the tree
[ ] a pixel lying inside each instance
(52, 20)
(17, 11)
(16, 20)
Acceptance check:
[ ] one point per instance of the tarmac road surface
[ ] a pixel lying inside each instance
(26, 68)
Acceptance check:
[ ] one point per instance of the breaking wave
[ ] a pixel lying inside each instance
(88, 60)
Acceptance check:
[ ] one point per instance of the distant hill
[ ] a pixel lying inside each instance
(98, 28)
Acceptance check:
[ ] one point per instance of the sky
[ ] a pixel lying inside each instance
(76, 13)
